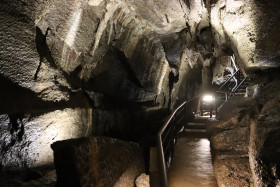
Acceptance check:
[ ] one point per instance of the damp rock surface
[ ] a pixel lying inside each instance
(97, 161)
(230, 137)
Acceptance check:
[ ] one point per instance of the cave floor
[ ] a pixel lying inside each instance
(192, 162)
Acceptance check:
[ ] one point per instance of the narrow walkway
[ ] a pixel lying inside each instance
(192, 163)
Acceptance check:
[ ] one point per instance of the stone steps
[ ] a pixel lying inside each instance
(194, 125)
(197, 125)
(195, 130)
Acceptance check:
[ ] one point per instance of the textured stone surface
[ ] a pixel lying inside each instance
(250, 29)
(131, 61)
(221, 70)
(31, 178)
(63, 57)
(24, 53)
(230, 138)
(26, 139)
(97, 162)
(245, 140)
(233, 172)
(143, 180)
(264, 136)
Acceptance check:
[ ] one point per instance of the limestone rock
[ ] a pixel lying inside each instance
(246, 138)
(97, 162)
(25, 57)
(26, 139)
(233, 172)
(230, 142)
(264, 137)
(143, 180)
(252, 91)
(249, 28)
(32, 178)
(221, 70)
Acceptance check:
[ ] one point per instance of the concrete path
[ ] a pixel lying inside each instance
(192, 163)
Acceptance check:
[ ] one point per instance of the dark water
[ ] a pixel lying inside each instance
(192, 163)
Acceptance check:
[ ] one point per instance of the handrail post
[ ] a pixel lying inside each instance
(216, 105)
(211, 109)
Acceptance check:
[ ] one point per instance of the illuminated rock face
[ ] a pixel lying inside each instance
(113, 67)
(74, 68)
(250, 28)
(26, 139)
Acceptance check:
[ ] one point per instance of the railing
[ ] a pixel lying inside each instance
(235, 76)
(166, 138)
(227, 89)
(167, 135)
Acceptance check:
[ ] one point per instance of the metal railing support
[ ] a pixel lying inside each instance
(161, 151)
(229, 79)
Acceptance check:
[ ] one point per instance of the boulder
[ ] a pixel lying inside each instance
(143, 180)
(97, 161)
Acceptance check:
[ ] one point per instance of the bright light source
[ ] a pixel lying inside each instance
(208, 98)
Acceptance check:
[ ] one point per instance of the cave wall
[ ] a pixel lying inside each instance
(37, 104)
(245, 139)
(75, 68)
(79, 68)
(250, 29)
(245, 134)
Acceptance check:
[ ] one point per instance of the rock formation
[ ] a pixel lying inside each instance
(245, 139)
(116, 68)
(97, 162)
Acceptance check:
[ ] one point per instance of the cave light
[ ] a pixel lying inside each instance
(208, 98)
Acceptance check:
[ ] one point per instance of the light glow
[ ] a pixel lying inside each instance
(94, 2)
(208, 98)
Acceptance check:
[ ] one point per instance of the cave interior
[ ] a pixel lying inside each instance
(86, 85)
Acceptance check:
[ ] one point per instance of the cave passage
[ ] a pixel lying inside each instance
(87, 86)
(192, 162)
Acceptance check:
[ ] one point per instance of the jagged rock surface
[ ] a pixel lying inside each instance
(89, 67)
(106, 67)
(250, 29)
(245, 139)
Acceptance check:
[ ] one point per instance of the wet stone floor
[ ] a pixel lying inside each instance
(192, 162)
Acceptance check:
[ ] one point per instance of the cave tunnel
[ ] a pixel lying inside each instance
(140, 93)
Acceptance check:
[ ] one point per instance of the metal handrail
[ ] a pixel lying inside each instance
(233, 90)
(239, 85)
(229, 79)
(162, 162)
(232, 58)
